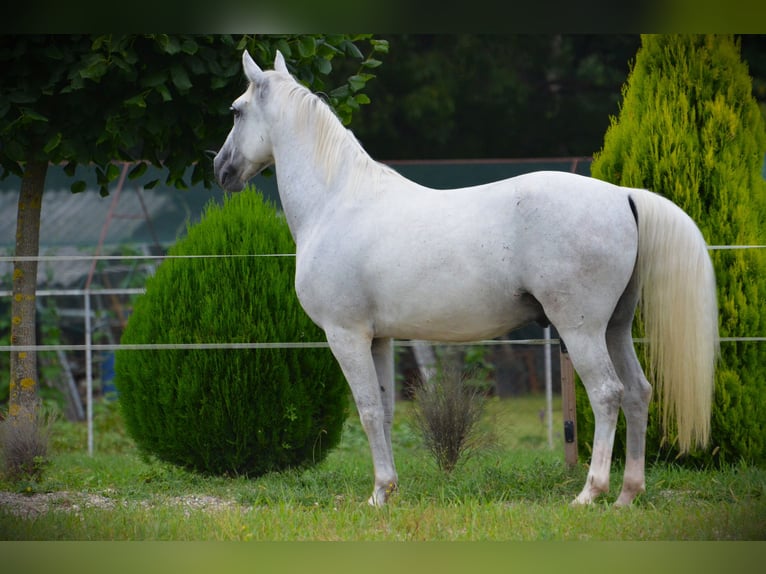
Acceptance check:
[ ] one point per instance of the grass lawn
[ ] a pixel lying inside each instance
(516, 490)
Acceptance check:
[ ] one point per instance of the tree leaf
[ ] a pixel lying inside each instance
(180, 78)
(306, 46)
(380, 46)
(357, 81)
(352, 50)
(189, 46)
(52, 143)
(324, 66)
(95, 69)
(371, 63)
(164, 92)
(112, 172)
(217, 82)
(327, 50)
(137, 101)
(78, 186)
(352, 103)
(31, 115)
(152, 79)
(341, 92)
(138, 170)
(169, 44)
(123, 64)
(284, 47)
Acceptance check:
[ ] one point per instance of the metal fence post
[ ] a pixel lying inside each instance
(548, 384)
(89, 370)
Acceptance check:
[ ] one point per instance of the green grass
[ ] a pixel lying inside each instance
(518, 489)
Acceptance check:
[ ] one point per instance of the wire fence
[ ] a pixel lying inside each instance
(110, 347)
(55, 258)
(89, 348)
(87, 293)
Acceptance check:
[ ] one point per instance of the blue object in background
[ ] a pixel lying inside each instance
(108, 387)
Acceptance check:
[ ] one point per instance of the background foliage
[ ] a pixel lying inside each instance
(160, 98)
(458, 96)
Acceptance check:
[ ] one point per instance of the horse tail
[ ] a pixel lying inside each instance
(680, 314)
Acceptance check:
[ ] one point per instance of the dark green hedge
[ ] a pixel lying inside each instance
(230, 411)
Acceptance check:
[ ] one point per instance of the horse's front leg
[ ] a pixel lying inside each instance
(383, 357)
(354, 352)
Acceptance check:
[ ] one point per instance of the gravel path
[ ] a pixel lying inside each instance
(32, 505)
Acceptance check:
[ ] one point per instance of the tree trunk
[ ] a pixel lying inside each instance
(23, 399)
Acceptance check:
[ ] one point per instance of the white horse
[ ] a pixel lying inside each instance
(380, 257)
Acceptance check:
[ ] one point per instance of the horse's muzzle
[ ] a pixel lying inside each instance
(227, 175)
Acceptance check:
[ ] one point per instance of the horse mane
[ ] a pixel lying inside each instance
(336, 150)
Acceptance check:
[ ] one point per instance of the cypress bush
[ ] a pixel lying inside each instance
(230, 411)
(690, 129)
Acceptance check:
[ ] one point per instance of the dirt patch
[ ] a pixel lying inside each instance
(32, 505)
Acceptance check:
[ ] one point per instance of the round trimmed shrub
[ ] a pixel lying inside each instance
(230, 411)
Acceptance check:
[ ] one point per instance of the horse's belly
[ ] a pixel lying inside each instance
(440, 303)
(438, 317)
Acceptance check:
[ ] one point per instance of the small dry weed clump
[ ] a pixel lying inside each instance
(24, 444)
(447, 410)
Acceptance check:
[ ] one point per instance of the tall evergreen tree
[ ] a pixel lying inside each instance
(690, 129)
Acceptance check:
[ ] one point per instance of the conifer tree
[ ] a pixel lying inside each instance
(690, 129)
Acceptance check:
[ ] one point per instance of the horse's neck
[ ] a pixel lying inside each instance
(319, 165)
(300, 191)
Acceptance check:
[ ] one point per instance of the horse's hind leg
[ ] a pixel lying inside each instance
(591, 359)
(635, 400)
(354, 352)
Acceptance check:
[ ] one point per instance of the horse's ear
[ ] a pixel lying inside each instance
(252, 71)
(279, 63)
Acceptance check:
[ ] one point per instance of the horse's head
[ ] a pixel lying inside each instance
(247, 149)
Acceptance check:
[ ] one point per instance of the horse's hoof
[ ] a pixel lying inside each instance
(381, 495)
(582, 499)
(625, 500)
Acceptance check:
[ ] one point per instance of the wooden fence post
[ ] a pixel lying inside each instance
(568, 406)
